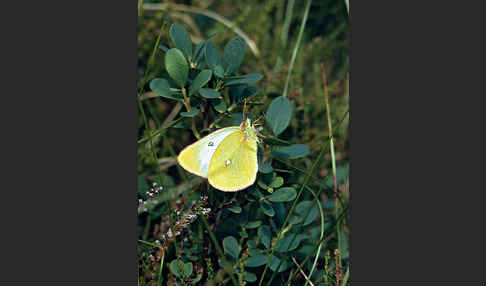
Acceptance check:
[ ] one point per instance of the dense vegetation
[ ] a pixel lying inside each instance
(290, 61)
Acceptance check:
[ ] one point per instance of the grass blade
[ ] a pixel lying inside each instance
(296, 48)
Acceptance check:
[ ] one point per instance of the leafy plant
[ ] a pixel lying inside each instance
(192, 234)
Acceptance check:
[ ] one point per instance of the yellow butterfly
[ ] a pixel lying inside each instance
(227, 157)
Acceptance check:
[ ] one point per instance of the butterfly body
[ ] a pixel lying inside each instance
(227, 157)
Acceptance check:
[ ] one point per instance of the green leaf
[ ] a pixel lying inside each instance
(278, 114)
(249, 78)
(265, 235)
(235, 209)
(257, 260)
(195, 280)
(254, 251)
(265, 168)
(212, 55)
(187, 269)
(239, 92)
(285, 194)
(292, 152)
(161, 87)
(253, 224)
(275, 261)
(267, 208)
(163, 48)
(302, 208)
(233, 54)
(250, 277)
(201, 80)
(209, 93)
(194, 111)
(276, 183)
(199, 54)
(284, 244)
(181, 39)
(243, 234)
(231, 247)
(219, 71)
(174, 268)
(219, 105)
(177, 66)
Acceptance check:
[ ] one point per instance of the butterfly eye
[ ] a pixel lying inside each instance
(211, 143)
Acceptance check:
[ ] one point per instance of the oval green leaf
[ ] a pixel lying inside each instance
(278, 114)
(174, 268)
(212, 55)
(219, 71)
(234, 209)
(253, 224)
(161, 87)
(181, 39)
(265, 235)
(285, 194)
(163, 48)
(233, 54)
(275, 261)
(276, 183)
(187, 269)
(219, 105)
(267, 208)
(249, 78)
(250, 277)
(257, 260)
(177, 66)
(265, 168)
(209, 93)
(199, 81)
(288, 243)
(194, 111)
(292, 152)
(301, 210)
(231, 247)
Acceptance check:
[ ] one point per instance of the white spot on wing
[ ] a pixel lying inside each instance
(208, 149)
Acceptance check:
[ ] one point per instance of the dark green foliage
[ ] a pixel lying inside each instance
(279, 114)
(209, 93)
(161, 87)
(212, 78)
(177, 66)
(199, 81)
(233, 54)
(283, 195)
(181, 40)
(292, 152)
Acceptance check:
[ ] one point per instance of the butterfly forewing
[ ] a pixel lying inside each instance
(196, 157)
(234, 165)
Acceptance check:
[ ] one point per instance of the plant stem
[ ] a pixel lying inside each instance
(333, 156)
(159, 279)
(296, 48)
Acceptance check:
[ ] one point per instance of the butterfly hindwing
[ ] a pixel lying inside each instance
(196, 157)
(234, 164)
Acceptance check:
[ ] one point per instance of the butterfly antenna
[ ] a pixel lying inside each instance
(244, 109)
